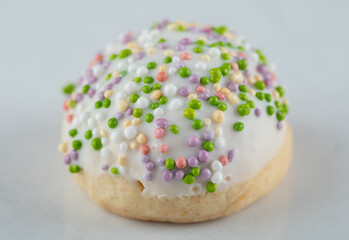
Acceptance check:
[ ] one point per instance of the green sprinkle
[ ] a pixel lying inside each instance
(134, 98)
(68, 89)
(278, 105)
(286, 108)
(74, 168)
(197, 124)
(200, 42)
(251, 104)
(215, 75)
(204, 80)
(161, 40)
(72, 103)
(260, 85)
(230, 45)
(211, 187)
(114, 170)
(220, 30)
(151, 65)
(73, 132)
(213, 100)
(154, 105)
(112, 57)
(170, 164)
(189, 113)
(270, 110)
(112, 122)
(244, 109)
(167, 60)
(76, 144)
(125, 53)
(195, 171)
(184, 72)
(189, 179)
(198, 49)
(180, 28)
(280, 90)
(195, 104)
(98, 104)
(222, 106)
(137, 112)
(137, 79)
(225, 56)
(106, 103)
(242, 64)
(162, 100)
(262, 58)
(146, 89)
(260, 95)
(148, 80)
(239, 126)
(225, 69)
(208, 146)
(88, 134)
(241, 48)
(267, 97)
(156, 86)
(148, 117)
(96, 143)
(174, 129)
(85, 88)
(243, 88)
(123, 73)
(243, 97)
(109, 75)
(280, 116)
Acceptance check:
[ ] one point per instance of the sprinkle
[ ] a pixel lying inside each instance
(74, 168)
(185, 56)
(181, 162)
(218, 116)
(194, 78)
(197, 124)
(144, 149)
(236, 77)
(163, 148)
(193, 141)
(270, 110)
(63, 147)
(122, 106)
(96, 144)
(162, 76)
(122, 160)
(216, 166)
(208, 146)
(76, 144)
(136, 122)
(130, 132)
(260, 85)
(205, 58)
(150, 166)
(205, 174)
(184, 72)
(223, 160)
(239, 126)
(258, 112)
(114, 170)
(174, 129)
(112, 122)
(159, 133)
(211, 187)
(170, 164)
(169, 53)
(217, 178)
(189, 113)
(103, 133)
(167, 175)
(148, 117)
(207, 122)
(126, 123)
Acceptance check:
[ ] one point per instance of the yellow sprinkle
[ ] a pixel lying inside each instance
(169, 53)
(103, 133)
(286, 101)
(251, 80)
(218, 116)
(180, 22)
(236, 77)
(192, 96)
(203, 38)
(205, 57)
(223, 50)
(218, 131)
(115, 74)
(229, 35)
(216, 87)
(134, 145)
(171, 26)
(141, 138)
(136, 121)
(122, 105)
(231, 53)
(162, 68)
(257, 77)
(122, 160)
(276, 95)
(207, 122)
(156, 94)
(232, 98)
(63, 147)
(136, 50)
(126, 123)
(108, 93)
(131, 45)
(225, 91)
(151, 50)
(252, 92)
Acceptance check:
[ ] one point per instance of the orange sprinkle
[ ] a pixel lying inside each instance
(70, 118)
(162, 76)
(65, 105)
(185, 56)
(224, 160)
(241, 54)
(144, 149)
(200, 89)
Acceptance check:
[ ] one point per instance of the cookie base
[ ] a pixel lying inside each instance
(120, 196)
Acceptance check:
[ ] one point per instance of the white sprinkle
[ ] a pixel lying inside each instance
(84, 117)
(142, 102)
(121, 65)
(172, 70)
(159, 112)
(219, 142)
(214, 52)
(123, 146)
(105, 141)
(130, 59)
(216, 166)
(132, 68)
(201, 66)
(100, 116)
(141, 71)
(105, 152)
(111, 48)
(98, 70)
(95, 132)
(130, 132)
(76, 123)
(175, 59)
(217, 178)
(121, 95)
(91, 123)
(116, 136)
(148, 44)
(170, 90)
(130, 86)
(175, 104)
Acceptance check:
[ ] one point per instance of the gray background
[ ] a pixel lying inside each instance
(45, 44)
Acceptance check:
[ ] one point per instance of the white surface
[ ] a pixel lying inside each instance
(45, 44)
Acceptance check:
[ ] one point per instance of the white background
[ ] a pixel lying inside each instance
(44, 44)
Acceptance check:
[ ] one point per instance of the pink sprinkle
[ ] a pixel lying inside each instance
(185, 56)
(220, 95)
(163, 148)
(181, 162)
(159, 132)
(144, 149)
(200, 89)
(234, 66)
(224, 160)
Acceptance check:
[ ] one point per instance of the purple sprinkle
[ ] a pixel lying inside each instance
(193, 161)
(108, 86)
(140, 55)
(204, 156)
(204, 95)
(148, 176)
(163, 45)
(194, 78)
(185, 41)
(232, 86)
(247, 73)
(91, 92)
(193, 141)
(129, 111)
(179, 174)
(117, 80)
(89, 72)
(180, 64)
(167, 175)
(184, 91)
(161, 161)
(162, 122)
(79, 97)
(150, 166)
(106, 65)
(119, 115)
(67, 159)
(279, 126)
(231, 155)
(126, 38)
(208, 135)
(91, 79)
(105, 167)
(261, 68)
(145, 158)
(179, 47)
(101, 96)
(74, 155)
(205, 174)
(80, 81)
(258, 112)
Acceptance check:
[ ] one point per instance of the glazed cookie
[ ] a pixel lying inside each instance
(178, 123)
